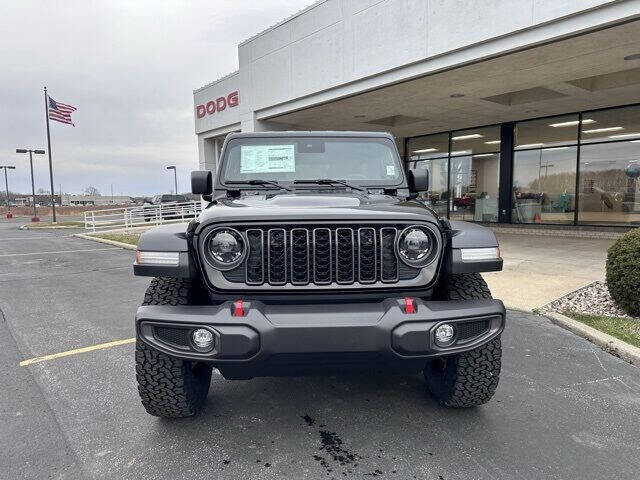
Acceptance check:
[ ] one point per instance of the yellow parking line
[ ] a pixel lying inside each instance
(90, 348)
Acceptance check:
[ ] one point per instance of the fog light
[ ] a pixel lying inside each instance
(202, 339)
(444, 334)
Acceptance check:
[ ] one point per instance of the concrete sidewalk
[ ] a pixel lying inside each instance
(539, 269)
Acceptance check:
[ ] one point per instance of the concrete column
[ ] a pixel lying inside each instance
(208, 152)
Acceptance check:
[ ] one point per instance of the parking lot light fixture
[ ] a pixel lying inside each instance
(175, 177)
(6, 184)
(33, 186)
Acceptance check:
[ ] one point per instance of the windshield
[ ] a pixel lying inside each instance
(359, 161)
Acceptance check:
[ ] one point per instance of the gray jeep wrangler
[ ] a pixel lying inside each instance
(315, 254)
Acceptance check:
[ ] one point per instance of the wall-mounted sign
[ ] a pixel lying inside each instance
(217, 105)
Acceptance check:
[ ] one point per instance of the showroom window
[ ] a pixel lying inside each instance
(611, 125)
(544, 183)
(609, 191)
(544, 170)
(579, 168)
(475, 160)
(432, 152)
(547, 132)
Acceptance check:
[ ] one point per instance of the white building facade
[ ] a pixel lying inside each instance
(524, 111)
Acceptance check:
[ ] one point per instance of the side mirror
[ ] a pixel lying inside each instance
(201, 183)
(418, 179)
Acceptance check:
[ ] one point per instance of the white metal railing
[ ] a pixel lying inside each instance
(140, 216)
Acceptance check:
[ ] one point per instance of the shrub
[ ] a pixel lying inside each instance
(623, 272)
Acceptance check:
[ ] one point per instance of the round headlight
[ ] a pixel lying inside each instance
(226, 248)
(415, 245)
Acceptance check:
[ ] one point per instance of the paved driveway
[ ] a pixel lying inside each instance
(564, 409)
(540, 268)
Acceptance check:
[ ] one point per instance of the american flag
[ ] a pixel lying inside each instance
(60, 112)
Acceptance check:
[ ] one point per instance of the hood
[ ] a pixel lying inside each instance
(315, 206)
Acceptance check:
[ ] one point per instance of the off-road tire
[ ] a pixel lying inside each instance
(470, 378)
(170, 387)
(464, 286)
(175, 291)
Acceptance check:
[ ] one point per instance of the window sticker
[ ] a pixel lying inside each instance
(391, 171)
(267, 158)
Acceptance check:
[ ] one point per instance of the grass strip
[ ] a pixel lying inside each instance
(625, 329)
(130, 238)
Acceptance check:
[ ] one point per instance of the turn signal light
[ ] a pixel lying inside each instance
(479, 254)
(157, 258)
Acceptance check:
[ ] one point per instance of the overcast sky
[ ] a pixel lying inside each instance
(130, 68)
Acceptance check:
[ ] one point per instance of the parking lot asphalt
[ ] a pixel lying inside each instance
(564, 409)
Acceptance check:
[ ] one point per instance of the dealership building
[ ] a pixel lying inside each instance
(523, 111)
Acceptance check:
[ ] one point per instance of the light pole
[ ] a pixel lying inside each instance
(6, 184)
(33, 185)
(175, 176)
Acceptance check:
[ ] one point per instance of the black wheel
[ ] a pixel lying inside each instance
(170, 387)
(470, 378)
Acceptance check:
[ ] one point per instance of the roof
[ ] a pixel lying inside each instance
(281, 22)
(310, 133)
(228, 75)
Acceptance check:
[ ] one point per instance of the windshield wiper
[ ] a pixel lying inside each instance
(329, 181)
(259, 182)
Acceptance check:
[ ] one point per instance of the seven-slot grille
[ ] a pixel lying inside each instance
(321, 255)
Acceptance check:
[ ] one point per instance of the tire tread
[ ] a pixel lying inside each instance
(466, 379)
(170, 387)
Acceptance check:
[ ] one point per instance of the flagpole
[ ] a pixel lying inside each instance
(46, 114)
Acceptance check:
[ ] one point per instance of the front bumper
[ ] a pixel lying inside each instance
(296, 334)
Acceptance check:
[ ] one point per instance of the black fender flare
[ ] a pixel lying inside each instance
(166, 238)
(466, 235)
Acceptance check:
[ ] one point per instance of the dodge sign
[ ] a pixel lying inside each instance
(217, 105)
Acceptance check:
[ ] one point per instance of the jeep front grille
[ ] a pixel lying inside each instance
(320, 255)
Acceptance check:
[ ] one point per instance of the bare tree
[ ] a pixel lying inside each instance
(91, 190)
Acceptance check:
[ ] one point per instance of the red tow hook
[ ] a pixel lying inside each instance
(409, 305)
(238, 309)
